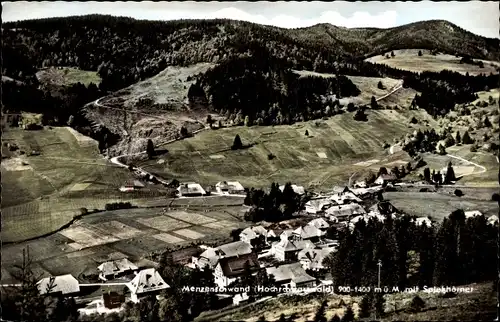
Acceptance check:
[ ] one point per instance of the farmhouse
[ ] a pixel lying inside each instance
(146, 282)
(191, 189)
(250, 233)
(493, 220)
(344, 198)
(423, 221)
(344, 212)
(230, 269)
(297, 189)
(385, 178)
(229, 187)
(131, 186)
(287, 248)
(317, 206)
(319, 223)
(292, 275)
(308, 232)
(240, 298)
(113, 269)
(211, 256)
(471, 214)
(65, 285)
(313, 258)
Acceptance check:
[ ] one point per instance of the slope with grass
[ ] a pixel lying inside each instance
(64, 76)
(155, 108)
(44, 191)
(325, 157)
(408, 59)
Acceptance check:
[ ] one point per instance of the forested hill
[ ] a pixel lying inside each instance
(125, 50)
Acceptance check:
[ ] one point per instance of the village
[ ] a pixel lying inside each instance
(291, 252)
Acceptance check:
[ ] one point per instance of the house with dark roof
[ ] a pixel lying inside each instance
(313, 258)
(210, 257)
(250, 233)
(288, 247)
(132, 186)
(66, 285)
(110, 302)
(291, 275)
(115, 269)
(230, 269)
(146, 282)
(344, 212)
(309, 232)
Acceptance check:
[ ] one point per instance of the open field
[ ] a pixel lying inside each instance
(408, 59)
(323, 158)
(131, 233)
(463, 307)
(369, 87)
(42, 193)
(65, 76)
(438, 205)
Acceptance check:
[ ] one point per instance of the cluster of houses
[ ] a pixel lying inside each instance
(135, 284)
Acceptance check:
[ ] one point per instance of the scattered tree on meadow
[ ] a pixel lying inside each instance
(360, 115)
(441, 149)
(458, 138)
(321, 312)
(373, 103)
(307, 133)
(392, 53)
(486, 122)
(466, 139)
(184, 132)
(380, 85)
(150, 149)
(335, 318)
(420, 53)
(450, 174)
(427, 174)
(237, 143)
(210, 121)
(365, 305)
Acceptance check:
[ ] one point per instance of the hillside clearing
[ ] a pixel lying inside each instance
(408, 59)
(341, 139)
(65, 76)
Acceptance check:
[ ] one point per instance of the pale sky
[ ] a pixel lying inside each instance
(481, 18)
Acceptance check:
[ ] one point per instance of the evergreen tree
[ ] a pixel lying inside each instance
(379, 304)
(373, 103)
(392, 53)
(458, 138)
(150, 149)
(441, 149)
(466, 139)
(486, 122)
(417, 304)
(380, 85)
(237, 144)
(420, 53)
(365, 305)
(335, 318)
(210, 121)
(450, 174)
(307, 133)
(348, 315)
(321, 312)
(282, 318)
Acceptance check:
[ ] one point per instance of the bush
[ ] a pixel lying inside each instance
(118, 205)
(495, 197)
(270, 156)
(414, 120)
(458, 193)
(84, 211)
(473, 148)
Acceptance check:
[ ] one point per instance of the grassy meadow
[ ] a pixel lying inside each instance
(65, 76)
(408, 59)
(329, 154)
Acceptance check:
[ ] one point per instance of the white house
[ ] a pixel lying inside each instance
(344, 212)
(131, 186)
(493, 220)
(250, 233)
(308, 232)
(287, 248)
(297, 189)
(317, 206)
(385, 178)
(66, 285)
(313, 258)
(240, 298)
(423, 221)
(473, 213)
(211, 256)
(109, 303)
(146, 282)
(229, 187)
(191, 189)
